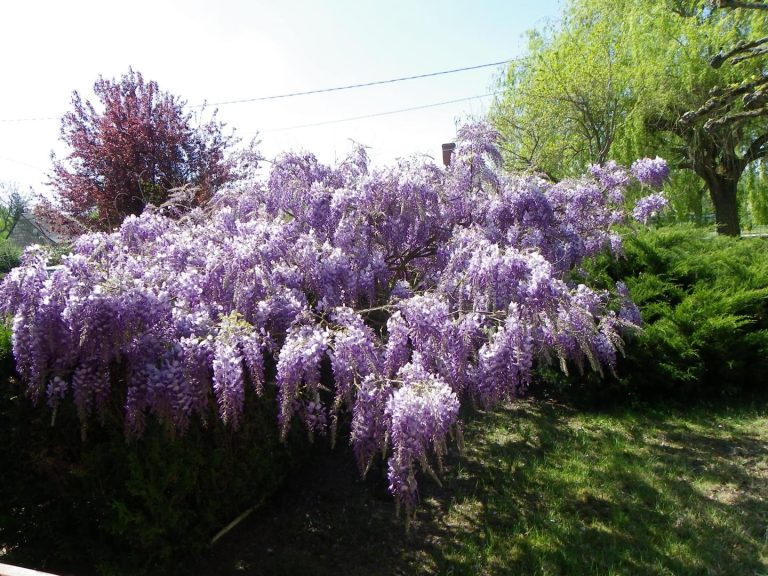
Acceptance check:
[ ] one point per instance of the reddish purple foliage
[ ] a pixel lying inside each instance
(129, 152)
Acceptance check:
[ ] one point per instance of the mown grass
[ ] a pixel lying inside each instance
(547, 491)
(541, 489)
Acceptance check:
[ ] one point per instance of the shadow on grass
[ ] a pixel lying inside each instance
(560, 493)
(540, 490)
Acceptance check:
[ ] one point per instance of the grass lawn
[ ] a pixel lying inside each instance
(540, 489)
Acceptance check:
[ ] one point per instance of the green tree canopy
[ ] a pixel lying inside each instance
(618, 79)
(562, 104)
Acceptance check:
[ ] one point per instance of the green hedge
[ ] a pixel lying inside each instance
(704, 302)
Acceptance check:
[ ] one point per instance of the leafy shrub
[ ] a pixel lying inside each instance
(9, 257)
(704, 303)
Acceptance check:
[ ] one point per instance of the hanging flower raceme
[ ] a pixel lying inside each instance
(649, 207)
(420, 415)
(651, 171)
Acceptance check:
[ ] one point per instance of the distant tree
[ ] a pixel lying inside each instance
(12, 205)
(129, 152)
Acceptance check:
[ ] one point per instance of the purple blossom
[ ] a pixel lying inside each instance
(651, 171)
(505, 361)
(629, 312)
(354, 357)
(421, 413)
(369, 422)
(298, 376)
(649, 207)
(228, 381)
(398, 349)
(611, 176)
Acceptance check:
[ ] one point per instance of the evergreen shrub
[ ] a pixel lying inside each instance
(704, 304)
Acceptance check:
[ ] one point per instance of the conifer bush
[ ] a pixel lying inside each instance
(704, 305)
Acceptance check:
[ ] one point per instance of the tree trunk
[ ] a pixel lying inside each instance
(722, 191)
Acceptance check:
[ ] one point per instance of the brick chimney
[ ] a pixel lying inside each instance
(448, 152)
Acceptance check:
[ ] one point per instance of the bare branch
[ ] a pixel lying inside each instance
(740, 4)
(742, 47)
(735, 116)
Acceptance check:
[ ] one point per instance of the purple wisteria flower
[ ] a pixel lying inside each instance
(369, 421)
(298, 377)
(611, 175)
(649, 207)
(421, 413)
(651, 171)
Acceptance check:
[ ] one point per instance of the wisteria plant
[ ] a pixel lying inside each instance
(380, 298)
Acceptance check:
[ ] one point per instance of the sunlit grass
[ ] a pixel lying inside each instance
(541, 489)
(544, 490)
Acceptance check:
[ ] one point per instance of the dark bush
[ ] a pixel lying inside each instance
(704, 303)
(107, 504)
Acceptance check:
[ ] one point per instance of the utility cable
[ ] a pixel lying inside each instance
(377, 114)
(20, 163)
(306, 92)
(40, 119)
(352, 86)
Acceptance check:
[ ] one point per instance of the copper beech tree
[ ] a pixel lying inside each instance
(129, 151)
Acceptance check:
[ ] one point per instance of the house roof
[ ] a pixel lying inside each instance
(29, 230)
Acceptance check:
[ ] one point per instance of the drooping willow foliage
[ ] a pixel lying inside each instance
(384, 297)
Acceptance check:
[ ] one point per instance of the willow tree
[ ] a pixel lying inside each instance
(623, 78)
(559, 109)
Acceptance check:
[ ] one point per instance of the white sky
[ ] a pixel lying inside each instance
(239, 49)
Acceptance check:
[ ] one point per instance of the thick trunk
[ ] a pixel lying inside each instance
(722, 190)
(721, 172)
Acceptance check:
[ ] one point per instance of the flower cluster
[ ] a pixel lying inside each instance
(651, 171)
(649, 206)
(611, 175)
(421, 412)
(382, 296)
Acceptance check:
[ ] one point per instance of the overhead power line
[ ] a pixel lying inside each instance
(20, 163)
(352, 86)
(306, 92)
(377, 114)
